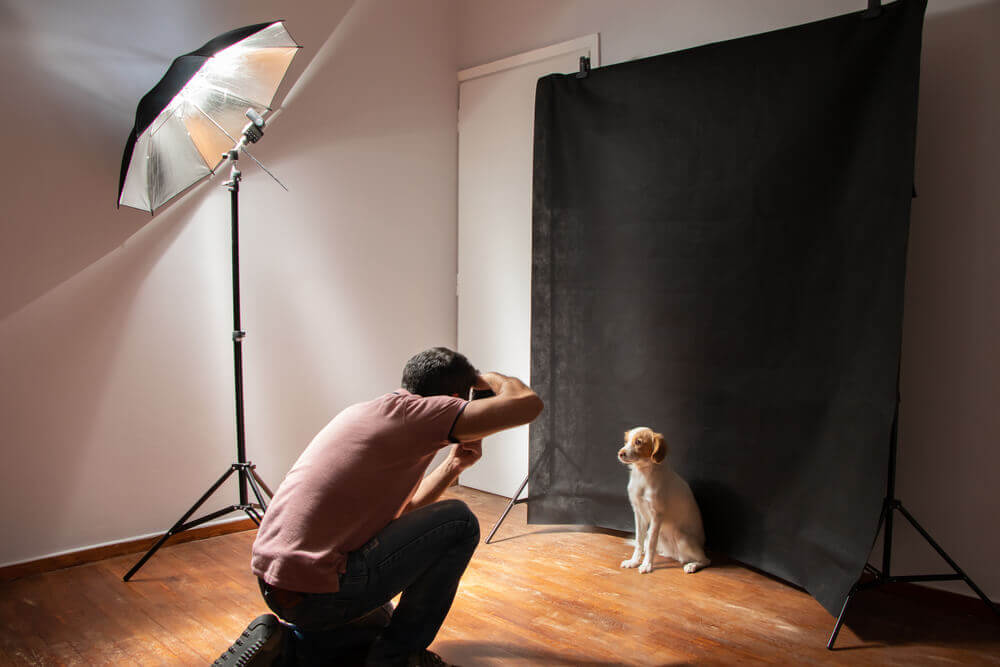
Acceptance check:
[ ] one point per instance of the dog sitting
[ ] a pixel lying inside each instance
(667, 519)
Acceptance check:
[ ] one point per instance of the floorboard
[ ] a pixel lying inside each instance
(537, 595)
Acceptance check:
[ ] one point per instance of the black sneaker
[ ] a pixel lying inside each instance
(262, 643)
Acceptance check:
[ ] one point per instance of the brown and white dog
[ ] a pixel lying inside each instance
(667, 519)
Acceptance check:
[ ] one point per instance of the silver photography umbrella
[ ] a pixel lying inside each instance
(196, 113)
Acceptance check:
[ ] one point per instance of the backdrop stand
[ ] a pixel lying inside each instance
(246, 471)
(881, 577)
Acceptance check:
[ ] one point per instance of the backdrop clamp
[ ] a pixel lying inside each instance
(584, 67)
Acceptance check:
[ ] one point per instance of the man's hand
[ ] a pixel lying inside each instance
(464, 454)
(482, 384)
(513, 404)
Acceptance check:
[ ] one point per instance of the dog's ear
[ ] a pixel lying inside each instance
(659, 448)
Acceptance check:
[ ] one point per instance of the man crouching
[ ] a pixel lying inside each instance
(355, 521)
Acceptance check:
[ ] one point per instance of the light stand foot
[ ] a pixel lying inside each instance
(248, 474)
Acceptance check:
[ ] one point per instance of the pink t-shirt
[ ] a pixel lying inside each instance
(355, 477)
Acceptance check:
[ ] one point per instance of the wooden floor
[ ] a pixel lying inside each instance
(538, 595)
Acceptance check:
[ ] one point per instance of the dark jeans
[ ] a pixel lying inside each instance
(422, 555)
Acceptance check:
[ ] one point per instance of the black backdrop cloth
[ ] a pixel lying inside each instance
(719, 245)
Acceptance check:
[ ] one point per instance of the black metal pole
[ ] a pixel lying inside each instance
(513, 501)
(238, 333)
(840, 618)
(890, 494)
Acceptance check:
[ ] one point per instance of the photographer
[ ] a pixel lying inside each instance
(355, 521)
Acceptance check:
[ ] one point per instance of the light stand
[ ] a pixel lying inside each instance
(245, 470)
(881, 577)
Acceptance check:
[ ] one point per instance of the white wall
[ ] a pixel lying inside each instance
(116, 389)
(948, 460)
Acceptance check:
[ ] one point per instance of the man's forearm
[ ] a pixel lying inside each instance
(504, 384)
(434, 484)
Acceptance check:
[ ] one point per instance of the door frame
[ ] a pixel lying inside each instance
(587, 45)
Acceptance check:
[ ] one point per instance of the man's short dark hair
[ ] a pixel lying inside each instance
(439, 372)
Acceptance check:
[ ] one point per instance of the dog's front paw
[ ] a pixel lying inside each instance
(647, 566)
(631, 562)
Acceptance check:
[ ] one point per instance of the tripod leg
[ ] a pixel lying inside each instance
(507, 511)
(886, 510)
(253, 472)
(256, 492)
(253, 514)
(840, 619)
(176, 528)
(947, 558)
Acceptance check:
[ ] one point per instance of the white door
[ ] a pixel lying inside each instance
(495, 135)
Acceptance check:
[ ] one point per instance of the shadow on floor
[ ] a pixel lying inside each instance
(472, 653)
(903, 614)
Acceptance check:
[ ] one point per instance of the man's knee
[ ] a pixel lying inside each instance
(455, 510)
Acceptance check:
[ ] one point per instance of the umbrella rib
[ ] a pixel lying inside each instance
(149, 174)
(266, 170)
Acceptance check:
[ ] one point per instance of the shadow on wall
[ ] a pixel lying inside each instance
(366, 89)
(66, 346)
(948, 460)
(718, 504)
